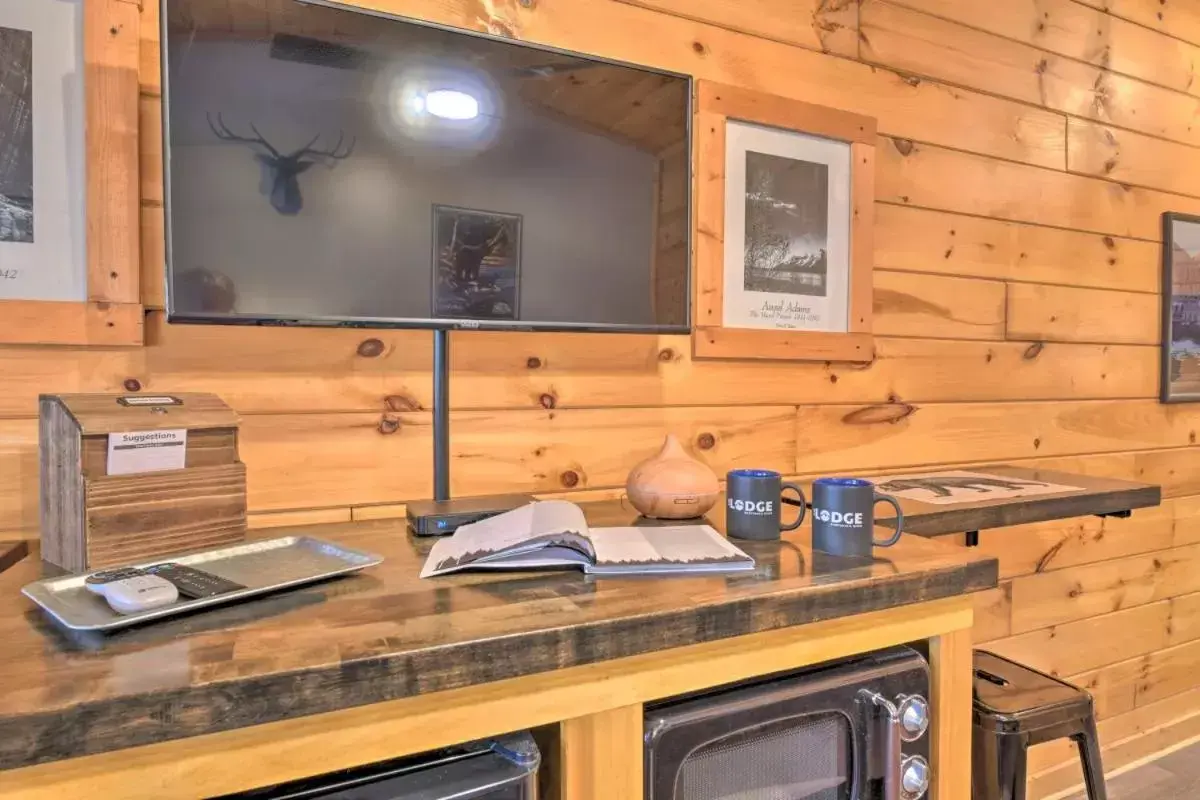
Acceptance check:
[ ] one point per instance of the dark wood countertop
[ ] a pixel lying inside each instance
(12, 551)
(385, 634)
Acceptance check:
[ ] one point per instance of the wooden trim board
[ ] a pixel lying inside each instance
(738, 343)
(41, 322)
(732, 102)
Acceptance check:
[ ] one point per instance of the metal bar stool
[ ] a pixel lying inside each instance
(1015, 707)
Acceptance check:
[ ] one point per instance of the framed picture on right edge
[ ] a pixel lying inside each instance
(1179, 377)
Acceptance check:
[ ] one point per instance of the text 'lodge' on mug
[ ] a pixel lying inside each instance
(752, 500)
(843, 516)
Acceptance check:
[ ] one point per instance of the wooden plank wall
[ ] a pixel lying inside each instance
(1027, 149)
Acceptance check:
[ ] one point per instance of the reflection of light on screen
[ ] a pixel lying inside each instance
(448, 104)
(449, 108)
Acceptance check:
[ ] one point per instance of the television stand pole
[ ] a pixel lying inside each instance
(441, 415)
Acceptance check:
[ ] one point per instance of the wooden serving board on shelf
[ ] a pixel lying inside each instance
(992, 502)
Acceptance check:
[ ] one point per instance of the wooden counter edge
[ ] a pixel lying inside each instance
(598, 699)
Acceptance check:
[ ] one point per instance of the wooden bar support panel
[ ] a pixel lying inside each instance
(600, 755)
(951, 666)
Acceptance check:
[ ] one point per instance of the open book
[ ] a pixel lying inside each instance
(554, 533)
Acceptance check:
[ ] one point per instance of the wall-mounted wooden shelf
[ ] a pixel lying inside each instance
(1094, 496)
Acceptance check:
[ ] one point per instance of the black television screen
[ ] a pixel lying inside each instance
(329, 166)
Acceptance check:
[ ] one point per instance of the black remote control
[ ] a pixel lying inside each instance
(111, 575)
(194, 583)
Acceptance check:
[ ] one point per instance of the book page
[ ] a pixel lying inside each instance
(525, 529)
(668, 546)
(558, 516)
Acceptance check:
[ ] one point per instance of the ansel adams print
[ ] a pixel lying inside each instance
(1181, 308)
(16, 135)
(787, 230)
(43, 178)
(787, 225)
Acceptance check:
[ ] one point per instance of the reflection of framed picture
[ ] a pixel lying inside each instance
(1180, 376)
(785, 205)
(476, 264)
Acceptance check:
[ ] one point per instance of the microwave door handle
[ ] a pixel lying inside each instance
(891, 743)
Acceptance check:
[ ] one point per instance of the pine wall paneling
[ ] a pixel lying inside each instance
(1026, 151)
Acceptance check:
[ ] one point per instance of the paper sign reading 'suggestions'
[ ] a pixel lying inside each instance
(146, 451)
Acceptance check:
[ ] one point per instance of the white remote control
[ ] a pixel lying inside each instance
(137, 593)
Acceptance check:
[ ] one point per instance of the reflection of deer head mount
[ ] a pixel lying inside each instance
(282, 176)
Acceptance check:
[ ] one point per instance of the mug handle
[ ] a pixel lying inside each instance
(803, 505)
(895, 537)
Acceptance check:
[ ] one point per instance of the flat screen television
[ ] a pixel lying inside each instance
(330, 166)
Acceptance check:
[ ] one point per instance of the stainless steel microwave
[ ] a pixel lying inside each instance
(854, 729)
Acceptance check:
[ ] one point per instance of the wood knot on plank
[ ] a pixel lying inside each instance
(388, 424)
(401, 402)
(569, 478)
(370, 348)
(533, 362)
(903, 146)
(548, 400)
(889, 413)
(666, 355)
(1033, 351)
(132, 385)
(498, 27)
(699, 48)
(706, 441)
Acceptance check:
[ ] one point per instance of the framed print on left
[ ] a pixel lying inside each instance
(69, 216)
(1179, 380)
(784, 212)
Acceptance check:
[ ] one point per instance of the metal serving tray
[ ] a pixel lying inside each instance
(265, 566)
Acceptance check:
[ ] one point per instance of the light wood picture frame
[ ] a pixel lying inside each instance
(1179, 359)
(718, 105)
(111, 314)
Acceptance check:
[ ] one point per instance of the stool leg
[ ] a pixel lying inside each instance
(999, 766)
(1014, 758)
(1089, 754)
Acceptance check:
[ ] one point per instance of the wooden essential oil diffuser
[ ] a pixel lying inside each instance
(672, 484)
(92, 519)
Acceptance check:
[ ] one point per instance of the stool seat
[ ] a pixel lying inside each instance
(1013, 698)
(1015, 706)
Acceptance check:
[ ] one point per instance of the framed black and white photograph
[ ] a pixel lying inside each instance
(476, 264)
(787, 230)
(42, 176)
(1180, 376)
(16, 135)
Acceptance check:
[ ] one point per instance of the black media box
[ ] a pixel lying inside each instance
(442, 517)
